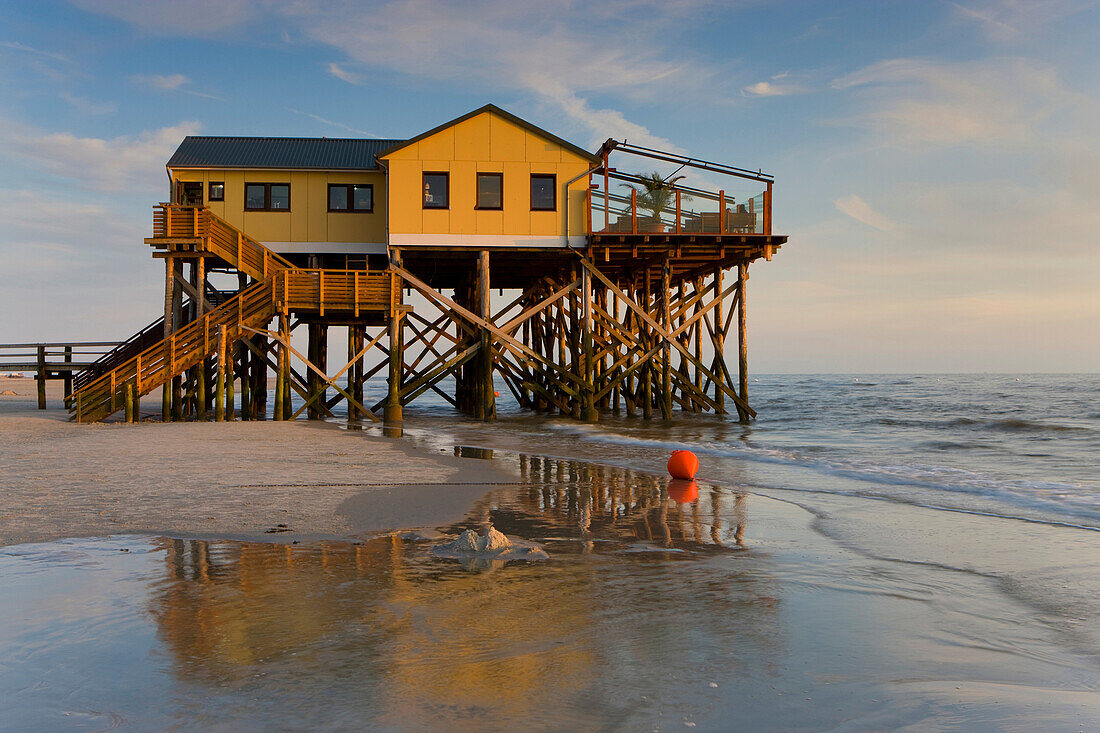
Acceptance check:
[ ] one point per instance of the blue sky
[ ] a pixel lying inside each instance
(937, 163)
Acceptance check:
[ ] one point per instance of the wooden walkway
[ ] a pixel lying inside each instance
(53, 361)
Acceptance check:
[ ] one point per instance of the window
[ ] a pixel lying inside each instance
(490, 190)
(351, 197)
(435, 191)
(543, 192)
(217, 191)
(267, 197)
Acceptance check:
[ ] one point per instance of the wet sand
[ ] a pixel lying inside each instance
(237, 480)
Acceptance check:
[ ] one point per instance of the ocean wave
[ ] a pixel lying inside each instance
(1065, 499)
(1008, 425)
(1013, 425)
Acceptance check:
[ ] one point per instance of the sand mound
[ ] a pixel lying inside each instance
(494, 545)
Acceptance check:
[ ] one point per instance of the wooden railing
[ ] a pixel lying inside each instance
(219, 236)
(153, 367)
(281, 287)
(349, 291)
(53, 361)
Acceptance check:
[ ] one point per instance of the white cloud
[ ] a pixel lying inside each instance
(194, 17)
(170, 83)
(323, 121)
(342, 74)
(89, 106)
(16, 46)
(165, 82)
(989, 102)
(1010, 20)
(121, 163)
(767, 89)
(557, 51)
(541, 49)
(861, 211)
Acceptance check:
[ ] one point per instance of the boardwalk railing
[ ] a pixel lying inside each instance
(53, 361)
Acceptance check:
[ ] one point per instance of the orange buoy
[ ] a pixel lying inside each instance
(683, 491)
(496, 394)
(683, 464)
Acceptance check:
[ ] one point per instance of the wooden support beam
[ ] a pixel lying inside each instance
(394, 412)
(742, 341)
(666, 351)
(588, 405)
(219, 385)
(281, 371)
(655, 327)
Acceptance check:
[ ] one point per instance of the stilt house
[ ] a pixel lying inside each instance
(616, 288)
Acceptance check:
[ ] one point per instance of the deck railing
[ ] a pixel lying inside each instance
(616, 206)
(348, 291)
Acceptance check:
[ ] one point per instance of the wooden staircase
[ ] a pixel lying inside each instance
(139, 366)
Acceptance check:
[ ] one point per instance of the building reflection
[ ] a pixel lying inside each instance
(431, 641)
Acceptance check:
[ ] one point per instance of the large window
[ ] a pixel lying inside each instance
(435, 191)
(267, 197)
(351, 197)
(543, 192)
(217, 191)
(490, 190)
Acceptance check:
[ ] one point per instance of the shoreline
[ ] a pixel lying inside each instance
(207, 480)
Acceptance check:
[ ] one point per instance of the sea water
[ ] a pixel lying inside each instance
(1025, 446)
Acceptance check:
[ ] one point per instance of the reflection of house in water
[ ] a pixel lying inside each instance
(616, 504)
(403, 638)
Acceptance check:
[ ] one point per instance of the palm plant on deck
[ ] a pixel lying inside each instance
(655, 194)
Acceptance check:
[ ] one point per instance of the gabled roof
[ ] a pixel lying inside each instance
(279, 152)
(502, 113)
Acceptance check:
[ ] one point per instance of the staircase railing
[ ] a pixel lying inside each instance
(156, 365)
(173, 221)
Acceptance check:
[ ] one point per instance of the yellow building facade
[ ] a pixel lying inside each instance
(487, 179)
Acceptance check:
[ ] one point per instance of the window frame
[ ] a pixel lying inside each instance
(424, 179)
(553, 191)
(477, 190)
(267, 196)
(210, 191)
(350, 188)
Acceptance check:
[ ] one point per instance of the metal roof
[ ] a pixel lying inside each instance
(279, 152)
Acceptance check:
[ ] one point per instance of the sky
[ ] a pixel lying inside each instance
(937, 164)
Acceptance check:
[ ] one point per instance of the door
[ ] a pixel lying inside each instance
(192, 193)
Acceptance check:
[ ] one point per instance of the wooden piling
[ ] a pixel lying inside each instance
(742, 340)
(719, 341)
(485, 405)
(281, 369)
(666, 350)
(589, 412)
(41, 376)
(230, 402)
(219, 384)
(68, 377)
(393, 412)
